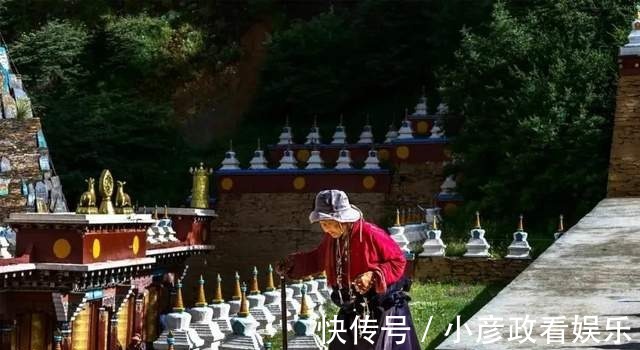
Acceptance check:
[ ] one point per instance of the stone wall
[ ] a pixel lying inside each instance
(624, 168)
(461, 269)
(416, 183)
(18, 142)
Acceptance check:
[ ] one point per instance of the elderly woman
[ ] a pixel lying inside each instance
(365, 267)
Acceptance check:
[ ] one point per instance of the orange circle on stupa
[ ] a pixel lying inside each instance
(368, 182)
(423, 127)
(402, 152)
(299, 183)
(226, 184)
(303, 155)
(61, 248)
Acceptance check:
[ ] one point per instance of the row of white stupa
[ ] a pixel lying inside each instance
(410, 236)
(243, 321)
(366, 136)
(289, 161)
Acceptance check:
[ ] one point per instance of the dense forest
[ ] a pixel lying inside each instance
(148, 88)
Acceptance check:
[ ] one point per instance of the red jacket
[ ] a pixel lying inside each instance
(376, 252)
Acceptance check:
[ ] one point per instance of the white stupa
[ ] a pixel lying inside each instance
(230, 161)
(202, 320)
(288, 161)
(340, 135)
(477, 246)
(406, 131)
(519, 247)
(244, 325)
(315, 161)
(391, 134)
(273, 300)
(286, 136)
(632, 48)
(305, 336)
(258, 161)
(313, 137)
(234, 303)
(220, 309)
(344, 160)
(421, 107)
(177, 323)
(372, 161)
(258, 310)
(436, 130)
(366, 136)
(442, 109)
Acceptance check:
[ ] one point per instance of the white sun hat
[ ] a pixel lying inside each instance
(334, 205)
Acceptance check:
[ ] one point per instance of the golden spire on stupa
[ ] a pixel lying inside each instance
(478, 226)
(435, 223)
(255, 289)
(166, 212)
(561, 223)
(270, 285)
(217, 296)
(244, 304)
(155, 213)
(179, 304)
(520, 223)
(397, 218)
(202, 300)
(304, 308)
(237, 293)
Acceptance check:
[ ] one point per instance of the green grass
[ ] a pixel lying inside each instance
(443, 301)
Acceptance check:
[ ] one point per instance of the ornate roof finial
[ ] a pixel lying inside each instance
(231, 145)
(270, 285)
(179, 304)
(254, 282)
(520, 223)
(155, 213)
(561, 221)
(397, 218)
(237, 293)
(406, 113)
(259, 148)
(244, 305)
(202, 300)
(166, 212)
(478, 220)
(217, 297)
(304, 308)
(341, 119)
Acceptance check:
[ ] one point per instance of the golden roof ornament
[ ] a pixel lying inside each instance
(270, 285)
(123, 200)
(202, 300)
(435, 223)
(304, 308)
(217, 298)
(237, 293)
(155, 213)
(200, 188)
(105, 186)
(478, 226)
(255, 289)
(88, 200)
(244, 304)
(166, 212)
(179, 304)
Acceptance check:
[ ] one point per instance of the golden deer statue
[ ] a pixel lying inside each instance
(88, 199)
(123, 201)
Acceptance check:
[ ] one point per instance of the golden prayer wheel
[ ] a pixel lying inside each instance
(200, 190)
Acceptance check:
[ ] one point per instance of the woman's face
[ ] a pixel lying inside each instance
(332, 228)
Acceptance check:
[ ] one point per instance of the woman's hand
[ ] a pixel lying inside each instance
(364, 282)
